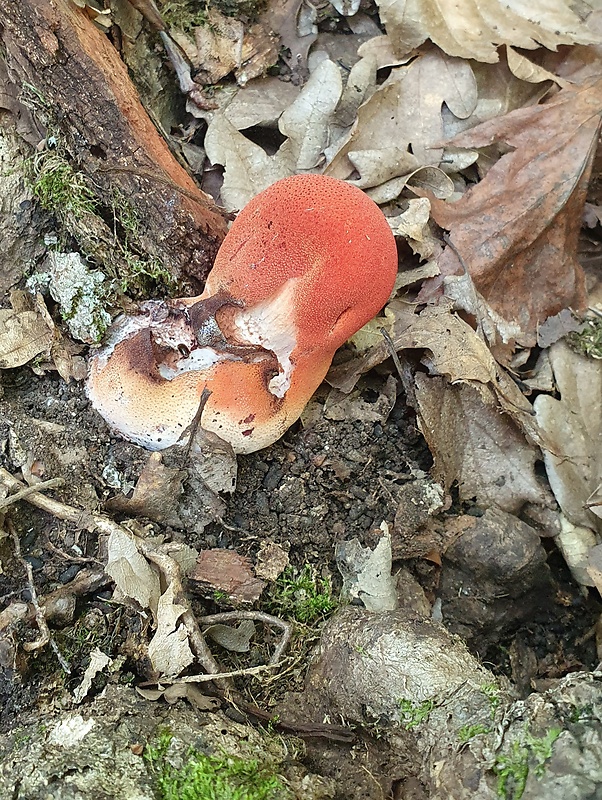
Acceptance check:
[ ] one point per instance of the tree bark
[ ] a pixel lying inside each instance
(68, 74)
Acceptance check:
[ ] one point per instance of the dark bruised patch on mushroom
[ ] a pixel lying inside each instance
(249, 419)
(141, 355)
(248, 432)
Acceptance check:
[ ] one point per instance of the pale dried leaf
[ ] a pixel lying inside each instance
(594, 567)
(348, 8)
(573, 427)
(407, 110)
(25, 331)
(259, 52)
(306, 122)
(169, 650)
(260, 102)
(367, 573)
(237, 640)
(218, 47)
(248, 168)
(576, 544)
(341, 406)
(526, 70)
(98, 661)
(474, 30)
(414, 226)
(282, 17)
(131, 571)
(271, 561)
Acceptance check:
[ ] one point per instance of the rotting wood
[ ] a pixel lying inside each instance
(52, 49)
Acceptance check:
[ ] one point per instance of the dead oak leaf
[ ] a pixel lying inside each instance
(155, 495)
(26, 330)
(472, 444)
(467, 29)
(517, 229)
(406, 110)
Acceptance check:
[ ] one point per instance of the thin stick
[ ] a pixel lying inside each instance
(23, 494)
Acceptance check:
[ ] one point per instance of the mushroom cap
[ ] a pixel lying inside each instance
(305, 265)
(326, 237)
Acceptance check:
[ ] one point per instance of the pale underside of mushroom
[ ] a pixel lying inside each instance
(147, 379)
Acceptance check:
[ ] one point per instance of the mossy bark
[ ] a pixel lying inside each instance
(65, 78)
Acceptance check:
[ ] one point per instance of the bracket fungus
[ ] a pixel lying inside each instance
(305, 264)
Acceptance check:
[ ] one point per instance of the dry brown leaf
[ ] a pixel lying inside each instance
(26, 330)
(282, 17)
(475, 445)
(155, 495)
(237, 640)
(517, 229)
(272, 560)
(307, 121)
(474, 30)
(526, 70)
(248, 168)
(341, 406)
(367, 573)
(406, 110)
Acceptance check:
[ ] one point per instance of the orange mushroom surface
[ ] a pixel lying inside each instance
(304, 266)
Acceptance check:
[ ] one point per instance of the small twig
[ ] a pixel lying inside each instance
(258, 616)
(23, 494)
(196, 421)
(45, 636)
(171, 570)
(206, 678)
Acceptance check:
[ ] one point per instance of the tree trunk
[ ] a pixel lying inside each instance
(65, 71)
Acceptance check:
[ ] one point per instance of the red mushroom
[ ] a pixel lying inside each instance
(306, 263)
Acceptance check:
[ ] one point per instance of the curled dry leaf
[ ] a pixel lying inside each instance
(573, 427)
(131, 572)
(155, 495)
(473, 444)
(237, 640)
(169, 650)
(517, 229)
(98, 661)
(474, 30)
(306, 123)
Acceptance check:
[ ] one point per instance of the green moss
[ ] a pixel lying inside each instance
(468, 732)
(184, 14)
(412, 714)
(189, 14)
(492, 693)
(58, 187)
(588, 341)
(302, 596)
(526, 754)
(203, 777)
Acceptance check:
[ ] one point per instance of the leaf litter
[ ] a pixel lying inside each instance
(443, 144)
